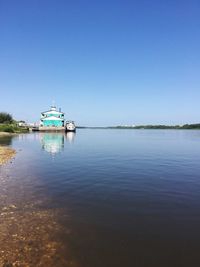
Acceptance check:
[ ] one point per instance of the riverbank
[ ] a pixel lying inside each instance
(6, 134)
(12, 128)
(6, 154)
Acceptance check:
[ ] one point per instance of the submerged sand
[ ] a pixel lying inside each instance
(6, 154)
(29, 238)
(30, 232)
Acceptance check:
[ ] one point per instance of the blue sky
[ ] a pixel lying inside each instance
(103, 62)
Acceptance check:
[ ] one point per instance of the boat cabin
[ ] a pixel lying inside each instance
(52, 118)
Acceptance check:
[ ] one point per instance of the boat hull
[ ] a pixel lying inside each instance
(70, 127)
(68, 130)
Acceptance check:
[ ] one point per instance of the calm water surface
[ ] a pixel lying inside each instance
(133, 195)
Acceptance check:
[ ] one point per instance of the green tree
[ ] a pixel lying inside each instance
(5, 117)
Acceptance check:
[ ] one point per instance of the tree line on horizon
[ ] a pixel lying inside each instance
(185, 126)
(7, 119)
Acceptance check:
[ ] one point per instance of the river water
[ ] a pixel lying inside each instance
(124, 197)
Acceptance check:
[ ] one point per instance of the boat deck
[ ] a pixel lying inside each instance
(43, 128)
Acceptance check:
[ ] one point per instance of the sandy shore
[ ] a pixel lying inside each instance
(6, 154)
(6, 134)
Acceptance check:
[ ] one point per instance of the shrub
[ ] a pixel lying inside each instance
(7, 128)
(5, 117)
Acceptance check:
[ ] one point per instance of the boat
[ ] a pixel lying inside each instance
(70, 126)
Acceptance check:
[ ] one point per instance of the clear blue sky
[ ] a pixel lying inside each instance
(103, 62)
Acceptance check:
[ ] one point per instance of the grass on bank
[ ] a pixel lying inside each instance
(9, 125)
(12, 128)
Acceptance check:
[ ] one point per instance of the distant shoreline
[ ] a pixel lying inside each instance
(147, 127)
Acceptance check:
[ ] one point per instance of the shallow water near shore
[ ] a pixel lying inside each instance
(102, 198)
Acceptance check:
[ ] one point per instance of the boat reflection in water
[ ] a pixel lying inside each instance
(70, 136)
(53, 143)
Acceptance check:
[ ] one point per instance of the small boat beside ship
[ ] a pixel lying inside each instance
(70, 126)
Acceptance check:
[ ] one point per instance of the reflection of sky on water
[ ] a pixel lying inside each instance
(118, 191)
(53, 143)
